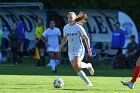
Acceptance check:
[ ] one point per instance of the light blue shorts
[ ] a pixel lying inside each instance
(79, 52)
(53, 49)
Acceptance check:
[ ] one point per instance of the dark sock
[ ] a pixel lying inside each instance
(42, 61)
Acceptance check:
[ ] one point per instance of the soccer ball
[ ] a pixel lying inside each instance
(58, 83)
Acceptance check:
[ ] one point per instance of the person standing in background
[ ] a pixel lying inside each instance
(118, 41)
(13, 37)
(39, 43)
(53, 36)
(21, 30)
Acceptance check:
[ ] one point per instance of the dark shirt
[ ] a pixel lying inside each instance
(132, 46)
(13, 36)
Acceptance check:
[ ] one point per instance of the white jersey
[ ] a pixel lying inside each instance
(52, 36)
(74, 35)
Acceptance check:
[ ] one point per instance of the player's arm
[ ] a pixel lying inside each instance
(87, 41)
(42, 38)
(88, 44)
(60, 38)
(63, 42)
(85, 37)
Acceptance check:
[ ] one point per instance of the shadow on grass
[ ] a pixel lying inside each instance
(76, 89)
(93, 89)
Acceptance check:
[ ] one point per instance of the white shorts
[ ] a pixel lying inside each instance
(53, 49)
(80, 53)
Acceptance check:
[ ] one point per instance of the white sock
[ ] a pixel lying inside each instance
(84, 65)
(83, 76)
(52, 64)
(57, 62)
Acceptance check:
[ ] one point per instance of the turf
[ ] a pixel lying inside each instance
(28, 78)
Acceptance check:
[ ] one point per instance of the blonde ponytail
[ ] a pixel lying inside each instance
(81, 18)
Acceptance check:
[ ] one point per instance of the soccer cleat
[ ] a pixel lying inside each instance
(89, 85)
(129, 84)
(90, 69)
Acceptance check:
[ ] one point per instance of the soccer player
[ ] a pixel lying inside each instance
(53, 35)
(39, 43)
(136, 74)
(73, 33)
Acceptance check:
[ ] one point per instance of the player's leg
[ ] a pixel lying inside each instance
(85, 65)
(42, 57)
(135, 76)
(52, 60)
(57, 56)
(14, 55)
(76, 65)
(41, 51)
(49, 50)
(57, 59)
(88, 66)
(136, 72)
(21, 46)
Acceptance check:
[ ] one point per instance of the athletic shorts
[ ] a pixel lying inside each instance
(53, 49)
(40, 44)
(79, 52)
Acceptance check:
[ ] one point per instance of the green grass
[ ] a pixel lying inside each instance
(28, 78)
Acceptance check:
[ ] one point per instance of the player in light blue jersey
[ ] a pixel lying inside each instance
(53, 36)
(74, 33)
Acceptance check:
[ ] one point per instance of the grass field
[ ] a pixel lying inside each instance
(28, 78)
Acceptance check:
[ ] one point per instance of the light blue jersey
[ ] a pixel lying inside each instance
(52, 36)
(74, 35)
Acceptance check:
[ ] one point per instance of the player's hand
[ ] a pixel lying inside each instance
(90, 52)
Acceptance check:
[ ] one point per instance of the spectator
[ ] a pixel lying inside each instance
(118, 40)
(13, 37)
(39, 43)
(128, 59)
(53, 35)
(21, 35)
